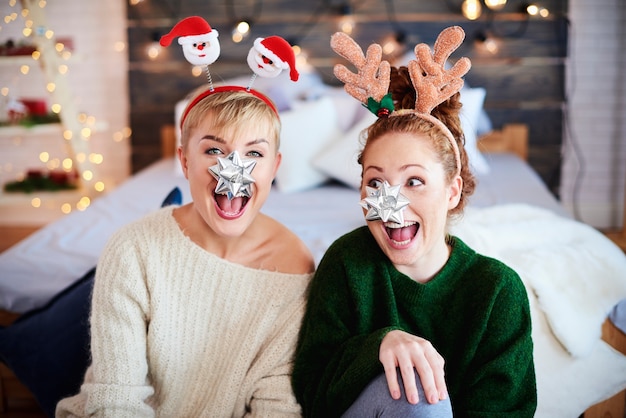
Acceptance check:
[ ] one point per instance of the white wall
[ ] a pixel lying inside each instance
(596, 74)
(97, 77)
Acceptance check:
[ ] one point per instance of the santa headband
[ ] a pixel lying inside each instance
(432, 82)
(201, 47)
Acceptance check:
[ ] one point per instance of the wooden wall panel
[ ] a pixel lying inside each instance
(525, 79)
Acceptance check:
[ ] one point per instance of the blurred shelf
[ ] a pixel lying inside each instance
(44, 128)
(9, 60)
(16, 209)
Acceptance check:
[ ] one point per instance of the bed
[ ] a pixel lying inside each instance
(575, 276)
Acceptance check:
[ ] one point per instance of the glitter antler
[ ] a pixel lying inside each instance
(433, 83)
(373, 73)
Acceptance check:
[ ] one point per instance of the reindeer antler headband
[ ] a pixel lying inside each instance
(432, 82)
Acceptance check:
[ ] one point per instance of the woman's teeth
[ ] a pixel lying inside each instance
(401, 234)
(231, 206)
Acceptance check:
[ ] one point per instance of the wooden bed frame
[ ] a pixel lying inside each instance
(511, 138)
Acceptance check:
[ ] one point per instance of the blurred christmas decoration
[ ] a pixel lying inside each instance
(40, 180)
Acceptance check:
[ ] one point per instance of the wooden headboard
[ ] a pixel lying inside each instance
(511, 138)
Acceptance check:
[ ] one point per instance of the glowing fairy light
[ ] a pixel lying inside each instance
(96, 158)
(99, 186)
(119, 46)
(83, 203)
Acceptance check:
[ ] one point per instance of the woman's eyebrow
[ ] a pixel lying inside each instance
(213, 138)
(258, 141)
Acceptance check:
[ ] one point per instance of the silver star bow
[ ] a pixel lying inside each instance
(233, 175)
(385, 203)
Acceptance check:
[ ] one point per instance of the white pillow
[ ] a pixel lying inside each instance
(339, 160)
(473, 100)
(307, 128)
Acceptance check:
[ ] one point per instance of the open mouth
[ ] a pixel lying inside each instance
(401, 234)
(230, 208)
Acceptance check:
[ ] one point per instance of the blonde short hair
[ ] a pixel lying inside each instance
(229, 110)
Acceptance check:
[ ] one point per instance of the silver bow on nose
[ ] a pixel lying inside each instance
(234, 175)
(385, 203)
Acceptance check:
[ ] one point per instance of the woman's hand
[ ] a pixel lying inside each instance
(405, 351)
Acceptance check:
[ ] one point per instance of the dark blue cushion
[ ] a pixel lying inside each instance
(48, 348)
(175, 197)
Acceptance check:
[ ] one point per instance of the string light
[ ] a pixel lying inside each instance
(471, 9)
(119, 46)
(242, 26)
(241, 31)
(99, 186)
(495, 4)
(154, 48)
(535, 10)
(197, 71)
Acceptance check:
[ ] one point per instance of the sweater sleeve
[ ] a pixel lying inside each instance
(117, 381)
(501, 379)
(334, 362)
(272, 394)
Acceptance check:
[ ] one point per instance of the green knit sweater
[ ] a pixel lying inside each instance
(475, 312)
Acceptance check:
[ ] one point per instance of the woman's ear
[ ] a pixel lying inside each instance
(182, 158)
(454, 192)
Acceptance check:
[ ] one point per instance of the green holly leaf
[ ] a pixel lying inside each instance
(384, 107)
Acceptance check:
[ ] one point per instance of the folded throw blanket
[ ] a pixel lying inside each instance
(577, 274)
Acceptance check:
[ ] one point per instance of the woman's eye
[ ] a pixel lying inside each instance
(375, 183)
(213, 151)
(255, 154)
(415, 182)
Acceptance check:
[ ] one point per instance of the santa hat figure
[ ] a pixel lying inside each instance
(198, 39)
(279, 52)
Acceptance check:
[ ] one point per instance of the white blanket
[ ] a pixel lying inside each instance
(577, 273)
(574, 275)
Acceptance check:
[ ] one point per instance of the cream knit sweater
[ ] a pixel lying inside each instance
(180, 332)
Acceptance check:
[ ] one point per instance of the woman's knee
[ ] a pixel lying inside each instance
(376, 401)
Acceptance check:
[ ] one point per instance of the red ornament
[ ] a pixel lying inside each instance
(383, 112)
